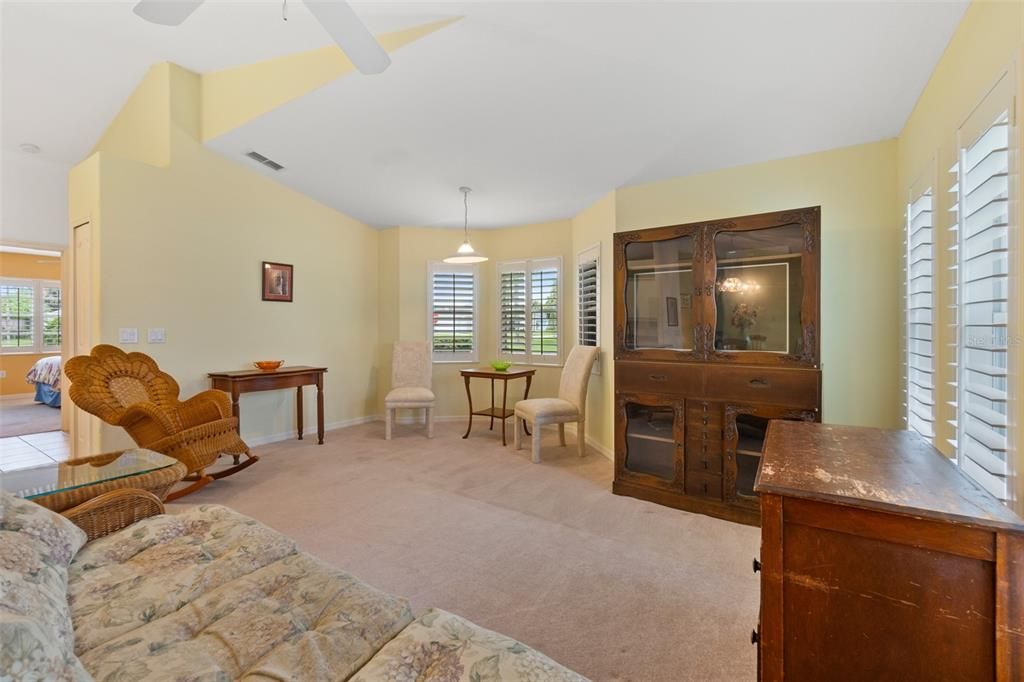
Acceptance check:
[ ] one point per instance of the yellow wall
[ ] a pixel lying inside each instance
(181, 249)
(860, 257)
(16, 365)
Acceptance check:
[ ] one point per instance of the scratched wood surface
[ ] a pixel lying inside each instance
(886, 470)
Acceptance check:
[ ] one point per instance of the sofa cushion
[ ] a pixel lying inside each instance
(36, 547)
(442, 647)
(212, 594)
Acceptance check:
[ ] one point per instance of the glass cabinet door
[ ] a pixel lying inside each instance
(759, 290)
(651, 440)
(659, 294)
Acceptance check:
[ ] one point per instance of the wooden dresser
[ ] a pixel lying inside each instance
(879, 560)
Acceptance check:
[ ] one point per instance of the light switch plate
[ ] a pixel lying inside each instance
(156, 335)
(128, 335)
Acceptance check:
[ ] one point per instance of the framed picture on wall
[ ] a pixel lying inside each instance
(278, 281)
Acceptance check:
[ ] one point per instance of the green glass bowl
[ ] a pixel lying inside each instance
(500, 365)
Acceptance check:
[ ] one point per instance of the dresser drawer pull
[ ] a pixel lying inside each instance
(704, 485)
(705, 463)
(754, 637)
(658, 377)
(759, 383)
(757, 565)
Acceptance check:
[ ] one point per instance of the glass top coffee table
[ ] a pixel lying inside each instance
(60, 486)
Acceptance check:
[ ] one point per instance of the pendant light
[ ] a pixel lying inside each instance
(466, 254)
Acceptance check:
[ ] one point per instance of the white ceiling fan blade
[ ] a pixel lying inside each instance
(351, 35)
(166, 12)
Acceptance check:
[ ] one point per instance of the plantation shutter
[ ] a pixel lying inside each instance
(513, 313)
(920, 356)
(530, 310)
(17, 315)
(983, 228)
(453, 312)
(544, 308)
(588, 305)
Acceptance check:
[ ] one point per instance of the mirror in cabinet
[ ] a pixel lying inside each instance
(759, 290)
(659, 294)
(650, 447)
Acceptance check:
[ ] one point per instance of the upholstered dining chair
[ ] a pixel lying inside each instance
(130, 391)
(411, 369)
(570, 405)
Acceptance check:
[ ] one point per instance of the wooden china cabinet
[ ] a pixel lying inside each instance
(716, 332)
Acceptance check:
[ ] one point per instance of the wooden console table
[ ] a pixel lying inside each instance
(494, 412)
(249, 380)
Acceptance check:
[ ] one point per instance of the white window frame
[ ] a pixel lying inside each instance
(37, 286)
(999, 99)
(529, 265)
(473, 355)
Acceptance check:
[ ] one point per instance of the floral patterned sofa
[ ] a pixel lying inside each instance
(210, 594)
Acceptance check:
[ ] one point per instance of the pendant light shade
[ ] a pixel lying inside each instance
(466, 253)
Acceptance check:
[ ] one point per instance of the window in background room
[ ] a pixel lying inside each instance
(30, 317)
(985, 231)
(530, 311)
(452, 312)
(920, 308)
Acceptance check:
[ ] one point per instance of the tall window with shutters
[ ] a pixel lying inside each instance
(588, 292)
(452, 312)
(985, 235)
(920, 356)
(530, 310)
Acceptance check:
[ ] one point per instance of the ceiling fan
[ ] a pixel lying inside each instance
(336, 16)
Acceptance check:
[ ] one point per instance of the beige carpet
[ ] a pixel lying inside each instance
(615, 588)
(21, 414)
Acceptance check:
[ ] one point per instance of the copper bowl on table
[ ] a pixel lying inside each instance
(268, 365)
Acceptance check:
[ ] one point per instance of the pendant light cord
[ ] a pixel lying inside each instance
(465, 218)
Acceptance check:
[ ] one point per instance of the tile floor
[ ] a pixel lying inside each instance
(35, 449)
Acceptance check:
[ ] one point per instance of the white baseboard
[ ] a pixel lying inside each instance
(405, 420)
(288, 435)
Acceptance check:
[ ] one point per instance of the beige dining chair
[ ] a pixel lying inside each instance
(410, 384)
(570, 405)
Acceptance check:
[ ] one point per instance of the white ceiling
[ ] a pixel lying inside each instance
(541, 107)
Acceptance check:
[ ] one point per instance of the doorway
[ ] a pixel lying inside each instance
(31, 340)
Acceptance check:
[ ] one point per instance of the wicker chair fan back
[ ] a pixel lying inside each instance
(108, 381)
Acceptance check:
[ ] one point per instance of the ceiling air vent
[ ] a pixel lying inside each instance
(269, 163)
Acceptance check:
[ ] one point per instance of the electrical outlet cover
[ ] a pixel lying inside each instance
(156, 335)
(128, 335)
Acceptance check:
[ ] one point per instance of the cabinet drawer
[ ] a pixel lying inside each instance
(704, 441)
(700, 461)
(699, 484)
(699, 415)
(795, 387)
(659, 377)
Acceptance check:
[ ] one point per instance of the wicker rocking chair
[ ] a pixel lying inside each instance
(130, 391)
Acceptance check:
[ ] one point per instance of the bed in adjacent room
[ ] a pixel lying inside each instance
(45, 374)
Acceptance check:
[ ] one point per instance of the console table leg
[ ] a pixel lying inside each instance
(234, 409)
(504, 402)
(320, 409)
(298, 409)
(469, 397)
(492, 404)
